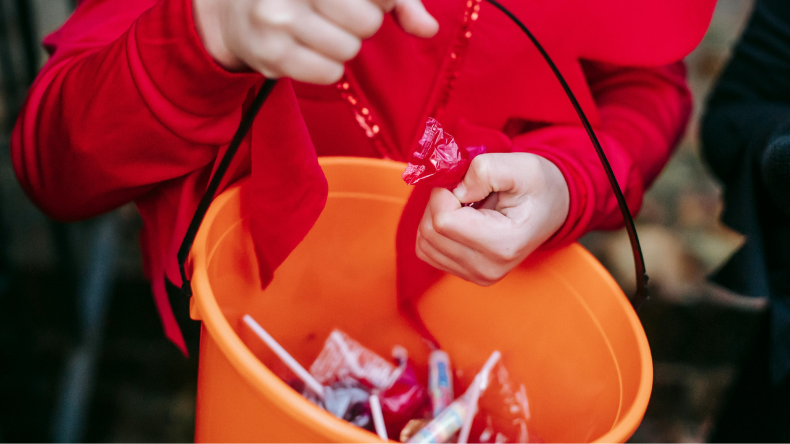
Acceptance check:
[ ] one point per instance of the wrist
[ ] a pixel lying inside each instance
(558, 188)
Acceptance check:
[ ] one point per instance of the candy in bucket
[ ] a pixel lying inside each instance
(400, 394)
(355, 384)
(458, 416)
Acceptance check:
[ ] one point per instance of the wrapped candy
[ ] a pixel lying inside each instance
(404, 400)
(411, 428)
(355, 384)
(440, 381)
(458, 416)
(439, 157)
(504, 410)
(344, 360)
(507, 405)
(346, 400)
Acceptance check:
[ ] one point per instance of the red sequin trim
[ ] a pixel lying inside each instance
(457, 51)
(364, 116)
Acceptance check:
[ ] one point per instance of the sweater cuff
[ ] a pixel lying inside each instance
(172, 54)
(593, 205)
(581, 206)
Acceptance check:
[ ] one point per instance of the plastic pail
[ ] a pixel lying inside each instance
(564, 327)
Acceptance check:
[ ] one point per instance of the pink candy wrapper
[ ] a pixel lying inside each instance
(345, 361)
(406, 399)
(439, 157)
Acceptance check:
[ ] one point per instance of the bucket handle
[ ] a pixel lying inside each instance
(213, 185)
(639, 297)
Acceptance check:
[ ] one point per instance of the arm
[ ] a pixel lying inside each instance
(129, 99)
(553, 189)
(644, 112)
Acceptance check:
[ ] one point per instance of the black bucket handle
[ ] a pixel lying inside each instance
(639, 297)
(213, 185)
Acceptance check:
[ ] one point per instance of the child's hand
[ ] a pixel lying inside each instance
(307, 40)
(528, 202)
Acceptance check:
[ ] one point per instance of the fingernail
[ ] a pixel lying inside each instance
(460, 191)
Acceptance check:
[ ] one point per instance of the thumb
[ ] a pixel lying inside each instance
(415, 19)
(477, 183)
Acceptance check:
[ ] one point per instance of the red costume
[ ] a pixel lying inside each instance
(131, 107)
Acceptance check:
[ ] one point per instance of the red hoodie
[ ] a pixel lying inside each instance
(130, 107)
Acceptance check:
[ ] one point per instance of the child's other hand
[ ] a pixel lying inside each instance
(527, 202)
(307, 40)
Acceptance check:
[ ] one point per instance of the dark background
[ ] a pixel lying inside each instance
(83, 356)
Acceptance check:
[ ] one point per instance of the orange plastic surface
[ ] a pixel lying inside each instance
(564, 327)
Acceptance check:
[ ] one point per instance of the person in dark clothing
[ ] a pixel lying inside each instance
(746, 142)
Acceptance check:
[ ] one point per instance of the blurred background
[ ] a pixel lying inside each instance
(83, 356)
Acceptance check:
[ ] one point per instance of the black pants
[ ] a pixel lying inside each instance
(755, 410)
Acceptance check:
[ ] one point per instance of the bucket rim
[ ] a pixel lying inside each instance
(628, 421)
(204, 307)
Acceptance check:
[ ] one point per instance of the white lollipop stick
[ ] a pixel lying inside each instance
(378, 417)
(278, 350)
(479, 385)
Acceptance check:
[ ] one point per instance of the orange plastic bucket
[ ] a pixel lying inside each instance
(564, 327)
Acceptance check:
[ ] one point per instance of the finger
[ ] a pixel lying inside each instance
(453, 250)
(485, 274)
(428, 254)
(385, 5)
(448, 216)
(489, 203)
(443, 203)
(475, 252)
(477, 183)
(306, 65)
(326, 38)
(415, 19)
(479, 230)
(465, 257)
(359, 17)
(493, 172)
(475, 229)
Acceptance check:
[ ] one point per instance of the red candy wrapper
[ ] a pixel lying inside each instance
(440, 158)
(344, 361)
(405, 400)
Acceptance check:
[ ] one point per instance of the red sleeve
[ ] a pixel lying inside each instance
(644, 112)
(129, 99)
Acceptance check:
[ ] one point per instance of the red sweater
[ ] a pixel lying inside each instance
(131, 108)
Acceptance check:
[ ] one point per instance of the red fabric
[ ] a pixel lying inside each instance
(131, 108)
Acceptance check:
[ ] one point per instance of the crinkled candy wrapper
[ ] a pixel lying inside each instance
(346, 400)
(504, 411)
(345, 361)
(439, 157)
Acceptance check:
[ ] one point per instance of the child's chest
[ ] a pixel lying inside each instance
(479, 67)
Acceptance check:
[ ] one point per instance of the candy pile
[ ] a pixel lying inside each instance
(355, 384)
